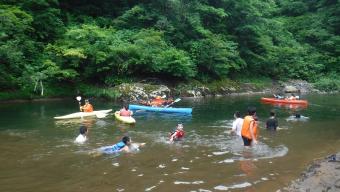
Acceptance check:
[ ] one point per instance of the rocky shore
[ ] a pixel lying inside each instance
(131, 92)
(321, 176)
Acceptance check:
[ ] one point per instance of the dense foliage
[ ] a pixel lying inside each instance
(53, 42)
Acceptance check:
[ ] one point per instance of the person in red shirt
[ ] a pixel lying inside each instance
(178, 134)
(87, 107)
(125, 112)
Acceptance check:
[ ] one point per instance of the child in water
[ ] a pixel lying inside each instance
(178, 134)
(125, 145)
(82, 136)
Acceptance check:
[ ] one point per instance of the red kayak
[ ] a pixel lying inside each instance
(284, 101)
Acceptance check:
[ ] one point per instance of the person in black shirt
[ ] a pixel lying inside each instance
(272, 123)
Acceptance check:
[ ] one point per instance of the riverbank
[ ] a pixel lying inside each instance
(321, 175)
(148, 89)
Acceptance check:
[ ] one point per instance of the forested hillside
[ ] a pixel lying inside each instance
(106, 42)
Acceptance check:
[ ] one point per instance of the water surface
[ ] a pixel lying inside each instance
(38, 153)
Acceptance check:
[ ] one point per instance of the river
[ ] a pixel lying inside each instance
(38, 153)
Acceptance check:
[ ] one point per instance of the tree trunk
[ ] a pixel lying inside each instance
(42, 88)
(35, 86)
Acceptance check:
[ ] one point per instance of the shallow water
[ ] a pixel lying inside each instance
(38, 153)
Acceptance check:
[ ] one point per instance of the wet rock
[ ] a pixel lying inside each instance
(290, 89)
(141, 91)
(322, 175)
(197, 92)
(297, 86)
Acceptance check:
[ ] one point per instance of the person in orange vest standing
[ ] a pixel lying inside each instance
(249, 128)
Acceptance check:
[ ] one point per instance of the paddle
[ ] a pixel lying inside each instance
(79, 99)
(178, 99)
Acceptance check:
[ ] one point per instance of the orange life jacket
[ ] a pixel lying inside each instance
(88, 108)
(246, 127)
(157, 102)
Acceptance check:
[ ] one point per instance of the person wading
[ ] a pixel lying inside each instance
(249, 128)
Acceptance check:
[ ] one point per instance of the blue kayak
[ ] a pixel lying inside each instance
(161, 109)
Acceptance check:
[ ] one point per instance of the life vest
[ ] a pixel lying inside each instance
(118, 146)
(179, 134)
(246, 127)
(157, 102)
(124, 112)
(88, 108)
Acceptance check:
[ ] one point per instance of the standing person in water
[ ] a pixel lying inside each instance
(178, 134)
(237, 124)
(249, 128)
(82, 135)
(272, 123)
(125, 112)
(87, 107)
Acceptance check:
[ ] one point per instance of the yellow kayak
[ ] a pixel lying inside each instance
(129, 120)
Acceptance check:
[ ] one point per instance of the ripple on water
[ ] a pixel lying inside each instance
(236, 186)
(188, 182)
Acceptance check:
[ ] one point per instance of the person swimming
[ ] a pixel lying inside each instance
(125, 145)
(297, 117)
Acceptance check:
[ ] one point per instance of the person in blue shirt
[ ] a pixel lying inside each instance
(125, 145)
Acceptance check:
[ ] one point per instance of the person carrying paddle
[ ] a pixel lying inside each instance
(125, 112)
(87, 107)
(178, 134)
(249, 128)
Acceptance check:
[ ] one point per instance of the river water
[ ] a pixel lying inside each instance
(38, 153)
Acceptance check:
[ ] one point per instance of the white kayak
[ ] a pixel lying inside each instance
(101, 113)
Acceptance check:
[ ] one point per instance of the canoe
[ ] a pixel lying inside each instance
(129, 120)
(84, 114)
(161, 109)
(284, 101)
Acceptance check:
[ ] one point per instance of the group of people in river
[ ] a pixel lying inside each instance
(291, 97)
(247, 127)
(126, 145)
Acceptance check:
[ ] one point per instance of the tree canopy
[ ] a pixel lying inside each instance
(58, 41)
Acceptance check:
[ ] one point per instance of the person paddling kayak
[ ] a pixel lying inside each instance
(125, 112)
(87, 107)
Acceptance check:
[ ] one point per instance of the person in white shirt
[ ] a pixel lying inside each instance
(82, 136)
(237, 124)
